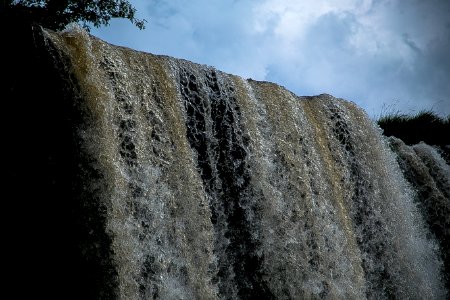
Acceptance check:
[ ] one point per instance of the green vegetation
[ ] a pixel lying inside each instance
(56, 14)
(426, 126)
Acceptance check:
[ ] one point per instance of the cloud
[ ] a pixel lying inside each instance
(377, 53)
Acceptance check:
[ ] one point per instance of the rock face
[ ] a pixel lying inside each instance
(149, 177)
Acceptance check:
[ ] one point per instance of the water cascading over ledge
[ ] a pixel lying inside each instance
(189, 183)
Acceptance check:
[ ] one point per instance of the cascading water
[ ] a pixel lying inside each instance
(429, 175)
(209, 186)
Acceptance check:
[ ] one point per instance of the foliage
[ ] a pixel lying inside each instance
(56, 14)
(426, 126)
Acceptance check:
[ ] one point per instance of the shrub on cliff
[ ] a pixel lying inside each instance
(56, 14)
(425, 126)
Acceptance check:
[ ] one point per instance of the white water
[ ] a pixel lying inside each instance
(218, 187)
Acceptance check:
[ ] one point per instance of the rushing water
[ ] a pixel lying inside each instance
(217, 187)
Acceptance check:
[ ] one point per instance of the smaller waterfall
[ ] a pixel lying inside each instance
(429, 175)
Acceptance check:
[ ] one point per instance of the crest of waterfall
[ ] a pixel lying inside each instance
(216, 187)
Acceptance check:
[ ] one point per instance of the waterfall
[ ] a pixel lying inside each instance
(197, 184)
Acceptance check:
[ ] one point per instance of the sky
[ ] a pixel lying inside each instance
(387, 56)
